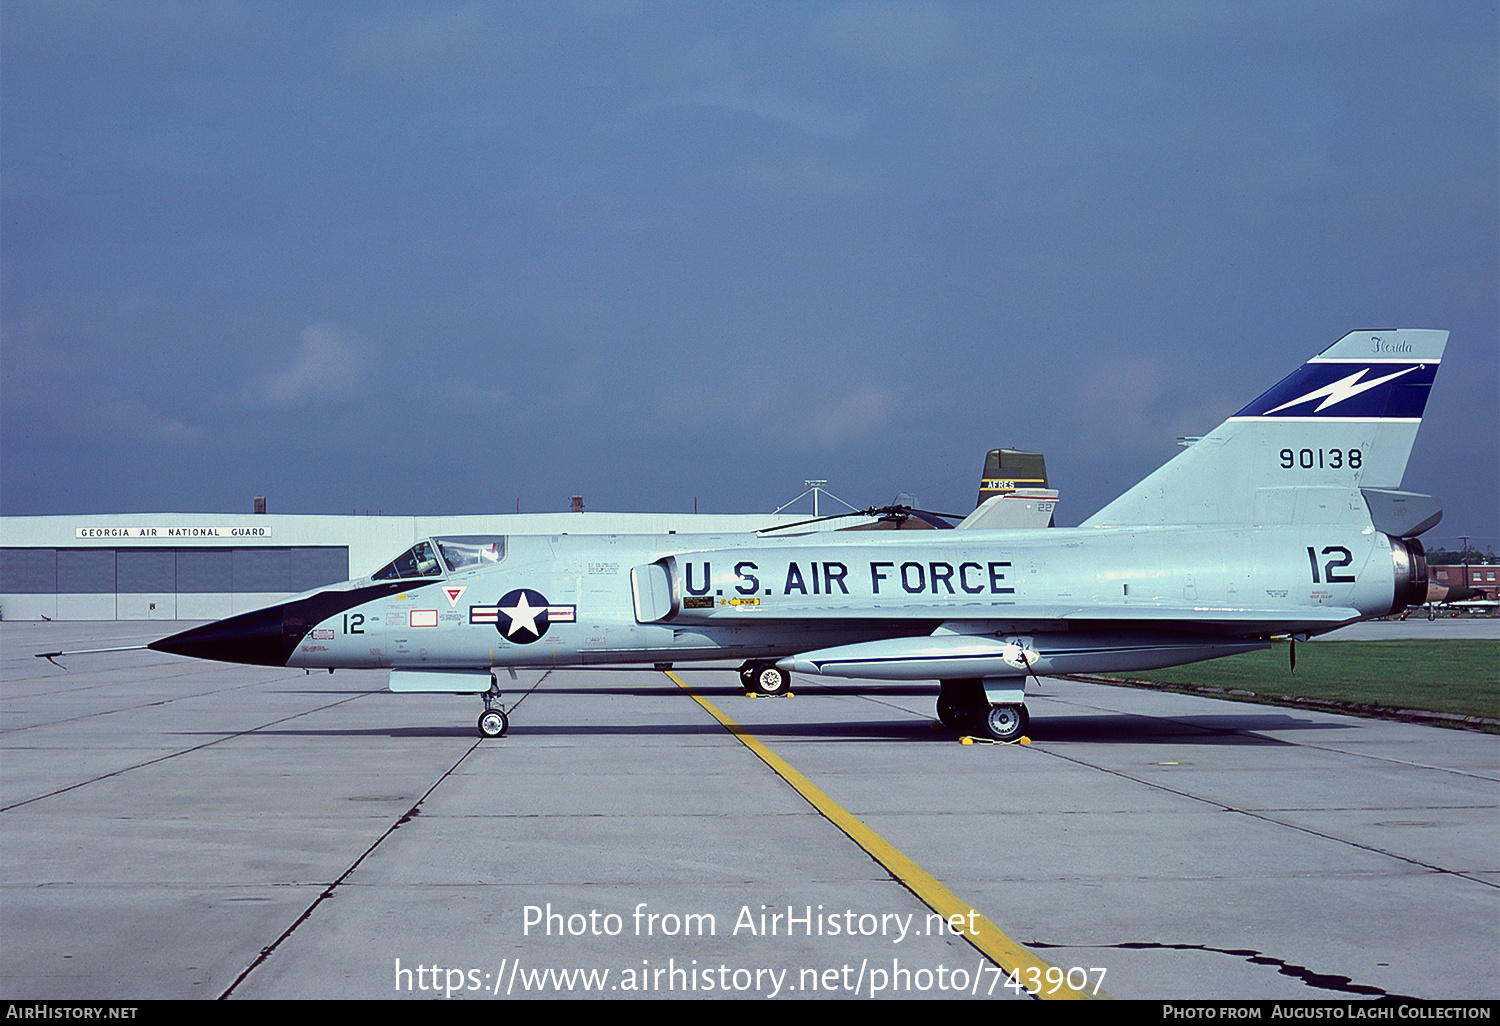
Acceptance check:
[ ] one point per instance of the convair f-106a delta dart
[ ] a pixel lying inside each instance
(1286, 519)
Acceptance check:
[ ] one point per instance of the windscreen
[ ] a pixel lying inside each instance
(418, 561)
(471, 551)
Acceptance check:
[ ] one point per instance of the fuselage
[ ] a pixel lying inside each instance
(569, 600)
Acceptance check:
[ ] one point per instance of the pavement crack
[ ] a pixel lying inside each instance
(405, 817)
(1317, 980)
(526, 692)
(1265, 817)
(230, 736)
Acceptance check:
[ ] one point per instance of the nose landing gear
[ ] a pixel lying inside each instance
(493, 722)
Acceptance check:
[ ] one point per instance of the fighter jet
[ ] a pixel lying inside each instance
(1286, 519)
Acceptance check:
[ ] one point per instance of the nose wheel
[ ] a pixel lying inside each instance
(493, 722)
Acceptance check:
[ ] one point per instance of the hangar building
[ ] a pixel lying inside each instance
(192, 566)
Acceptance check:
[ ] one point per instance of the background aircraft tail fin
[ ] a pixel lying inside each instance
(1013, 492)
(1302, 451)
(1006, 470)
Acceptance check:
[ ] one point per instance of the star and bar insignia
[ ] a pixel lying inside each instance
(523, 615)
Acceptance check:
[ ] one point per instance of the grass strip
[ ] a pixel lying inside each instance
(1461, 678)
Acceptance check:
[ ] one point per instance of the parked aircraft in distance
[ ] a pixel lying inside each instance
(1287, 519)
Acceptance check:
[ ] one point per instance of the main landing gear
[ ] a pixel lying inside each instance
(1005, 722)
(963, 705)
(493, 722)
(765, 679)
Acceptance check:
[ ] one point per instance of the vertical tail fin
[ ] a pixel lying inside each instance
(1301, 452)
(1013, 492)
(1006, 470)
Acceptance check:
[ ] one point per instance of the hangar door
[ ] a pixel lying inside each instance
(160, 583)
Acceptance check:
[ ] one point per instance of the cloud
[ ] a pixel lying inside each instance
(329, 368)
(855, 415)
(139, 423)
(893, 33)
(806, 418)
(1117, 403)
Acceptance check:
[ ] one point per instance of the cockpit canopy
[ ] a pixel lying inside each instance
(460, 553)
(418, 561)
(474, 550)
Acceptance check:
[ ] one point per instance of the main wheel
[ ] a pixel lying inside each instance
(494, 723)
(1005, 722)
(769, 680)
(950, 714)
(961, 703)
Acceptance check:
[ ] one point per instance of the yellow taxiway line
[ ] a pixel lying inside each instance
(991, 941)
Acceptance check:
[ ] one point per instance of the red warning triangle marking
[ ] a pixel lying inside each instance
(453, 592)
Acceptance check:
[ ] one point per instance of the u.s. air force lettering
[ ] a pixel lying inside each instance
(831, 577)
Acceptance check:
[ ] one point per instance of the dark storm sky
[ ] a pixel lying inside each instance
(438, 258)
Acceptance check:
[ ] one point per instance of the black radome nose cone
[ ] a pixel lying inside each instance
(268, 637)
(257, 637)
